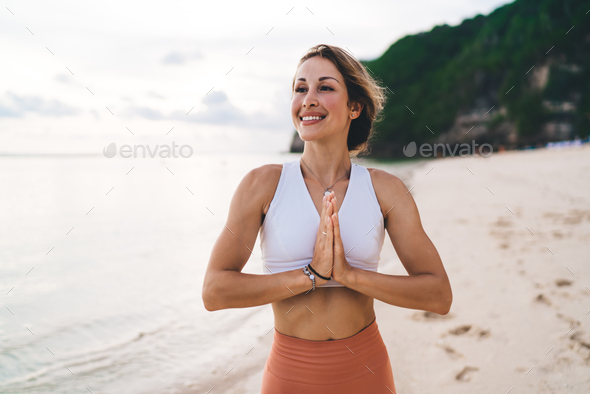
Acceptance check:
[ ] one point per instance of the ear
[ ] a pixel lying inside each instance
(357, 106)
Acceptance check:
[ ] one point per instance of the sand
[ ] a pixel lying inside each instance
(513, 231)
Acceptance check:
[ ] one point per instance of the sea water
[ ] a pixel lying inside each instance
(101, 270)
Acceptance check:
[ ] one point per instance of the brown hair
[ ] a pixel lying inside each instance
(361, 87)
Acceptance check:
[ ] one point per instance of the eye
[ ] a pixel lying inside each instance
(323, 86)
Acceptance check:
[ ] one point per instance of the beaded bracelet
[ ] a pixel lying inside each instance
(311, 276)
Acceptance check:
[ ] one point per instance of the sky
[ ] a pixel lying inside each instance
(78, 76)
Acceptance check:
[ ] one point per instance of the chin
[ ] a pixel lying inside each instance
(308, 136)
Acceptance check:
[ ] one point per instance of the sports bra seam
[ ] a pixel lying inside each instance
(278, 192)
(375, 202)
(372, 190)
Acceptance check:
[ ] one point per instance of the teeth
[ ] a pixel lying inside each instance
(313, 117)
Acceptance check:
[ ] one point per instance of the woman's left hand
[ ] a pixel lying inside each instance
(342, 270)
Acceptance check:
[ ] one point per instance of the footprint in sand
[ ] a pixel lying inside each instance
(542, 298)
(502, 222)
(466, 374)
(570, 320)
(452, 353)
(502, 228)
(461, 329)
(563, 282)
(574, 216)
(580, 344)
(470, 330)
(557, 234)
(430, 316)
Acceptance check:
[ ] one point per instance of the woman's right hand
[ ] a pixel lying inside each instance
(323, 258)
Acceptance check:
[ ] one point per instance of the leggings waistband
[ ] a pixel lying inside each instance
(328, 361)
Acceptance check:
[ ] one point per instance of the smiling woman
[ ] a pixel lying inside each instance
(321, 244)
(352, 84)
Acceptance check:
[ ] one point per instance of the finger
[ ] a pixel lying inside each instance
(330, 232)
(336, 225)
(334, 201)
(323, 215)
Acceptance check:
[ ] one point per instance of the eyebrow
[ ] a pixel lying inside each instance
(320, 79)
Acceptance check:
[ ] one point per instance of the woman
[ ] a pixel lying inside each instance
(321, 244)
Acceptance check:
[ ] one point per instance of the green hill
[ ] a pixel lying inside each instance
(524, 63)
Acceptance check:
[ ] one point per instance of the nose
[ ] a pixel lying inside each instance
(310, 103)
(310, 100)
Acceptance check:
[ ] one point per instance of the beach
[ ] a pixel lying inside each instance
(103, 262)
(513, 231)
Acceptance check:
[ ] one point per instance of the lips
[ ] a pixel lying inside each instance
(310, 122)
(311, 113)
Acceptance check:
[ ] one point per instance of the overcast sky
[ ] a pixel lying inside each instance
(76, 76)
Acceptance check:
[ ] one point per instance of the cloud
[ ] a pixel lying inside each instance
(145, 112)
(219, 111)
(155, 95)
(63, 78)
(7, 112)
(178, 58)
(214, 98)
(19, 105)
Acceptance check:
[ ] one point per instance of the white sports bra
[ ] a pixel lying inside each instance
(288, 233)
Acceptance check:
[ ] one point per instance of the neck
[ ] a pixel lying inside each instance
(327, 163)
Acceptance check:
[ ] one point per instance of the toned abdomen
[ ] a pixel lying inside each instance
(324, 313)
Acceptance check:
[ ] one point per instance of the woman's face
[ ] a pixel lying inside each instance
(319, 87)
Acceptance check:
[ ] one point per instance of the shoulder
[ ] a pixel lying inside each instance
(389, 189)
(262, 179)
(260, 174)
(260, 184)
(383, 180)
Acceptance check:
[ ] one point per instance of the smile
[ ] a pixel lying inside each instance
(309, 120)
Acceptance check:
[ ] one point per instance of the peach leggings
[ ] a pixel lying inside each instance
(353, 365)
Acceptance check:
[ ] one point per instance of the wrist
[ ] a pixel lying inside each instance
(312, 280)
(319, 277)
(319, 281)
(349, 279)
(305, 281)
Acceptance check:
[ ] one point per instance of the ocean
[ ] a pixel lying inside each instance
(101, 268)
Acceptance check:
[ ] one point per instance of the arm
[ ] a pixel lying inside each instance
(427, 287)
(225, 286)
